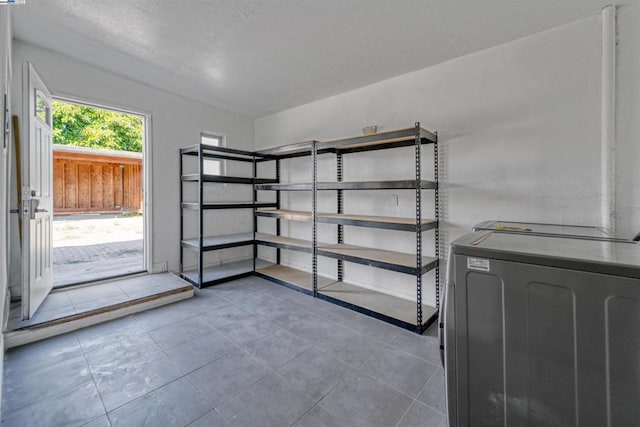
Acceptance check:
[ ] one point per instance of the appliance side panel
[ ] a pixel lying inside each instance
(484, 340)
(623, 360)
(451, 378)
(551, 368)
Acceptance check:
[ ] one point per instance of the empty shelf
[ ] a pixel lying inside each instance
(290, 150)
(208, 149)
(377, 304)
(388, 222)
(292, 277)
(396, 184)
(229, 205)
(301, 186)
(388, 260)
(284, 242)
(284, 214)
(382, 140)
(220, 242)
(222, 272)
(194, 177)
(391, 223)
(406, 184)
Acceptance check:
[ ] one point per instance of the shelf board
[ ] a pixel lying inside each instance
(228, 205)
(284, 242)
(301, 186)
(214, 148)
(194, 177)
(216, 156)
(220, 273)
(392, 309)
(388, 260)
(378, 141)
(292, 277)
(386, 222)
(213, 152)
(405, 184)
(290, 150)
(219, 242)
(284, 214)
(396, 184)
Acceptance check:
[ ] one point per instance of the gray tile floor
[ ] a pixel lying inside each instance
(244, 353)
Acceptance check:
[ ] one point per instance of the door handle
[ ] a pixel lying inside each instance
(33, 208)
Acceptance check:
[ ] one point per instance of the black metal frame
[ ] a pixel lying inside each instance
(415, 136)
(420, 269)
(314, 210)
(386, 225)
(340, 206)
(277, 154)
(408, 184)
(226, 179)
(418, 229)
(436, 207)
(201, 243)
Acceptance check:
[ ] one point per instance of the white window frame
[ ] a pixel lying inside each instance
(221, 165)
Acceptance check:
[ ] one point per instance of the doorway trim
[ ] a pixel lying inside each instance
(147, 251)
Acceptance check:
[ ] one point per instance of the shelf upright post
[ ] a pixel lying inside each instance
(255, 218)
(278, 230)
(181, 214)
(200, 216)
(418, 229)
(314, 219)
(339, 173)
(436, 201)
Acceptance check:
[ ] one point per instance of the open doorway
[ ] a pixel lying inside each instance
(98, 190)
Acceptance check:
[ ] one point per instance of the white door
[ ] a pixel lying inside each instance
(37, 189)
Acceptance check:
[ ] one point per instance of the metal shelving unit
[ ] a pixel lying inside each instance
(411, 315)
(303, 281)
(203, 275)
(414, 315)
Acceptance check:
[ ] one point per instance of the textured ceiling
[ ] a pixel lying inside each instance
(262, 56)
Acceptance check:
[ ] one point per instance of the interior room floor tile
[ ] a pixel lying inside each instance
(177, 403)
(271, 402)
(223, 359)
(420, 415)
(401, 371)
(433, 394)
(210, 419)
(364, 401)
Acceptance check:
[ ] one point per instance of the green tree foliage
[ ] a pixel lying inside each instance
(85, 126)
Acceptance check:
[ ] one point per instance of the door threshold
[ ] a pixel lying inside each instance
(86, 283)
(40, 331)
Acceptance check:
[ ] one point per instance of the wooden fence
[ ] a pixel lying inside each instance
(87, 180)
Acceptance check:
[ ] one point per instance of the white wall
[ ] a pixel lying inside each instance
(5, 78)
(519, 132)
(175, 122)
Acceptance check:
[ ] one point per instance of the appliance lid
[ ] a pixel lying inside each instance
(606, 257)
(539, 229)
